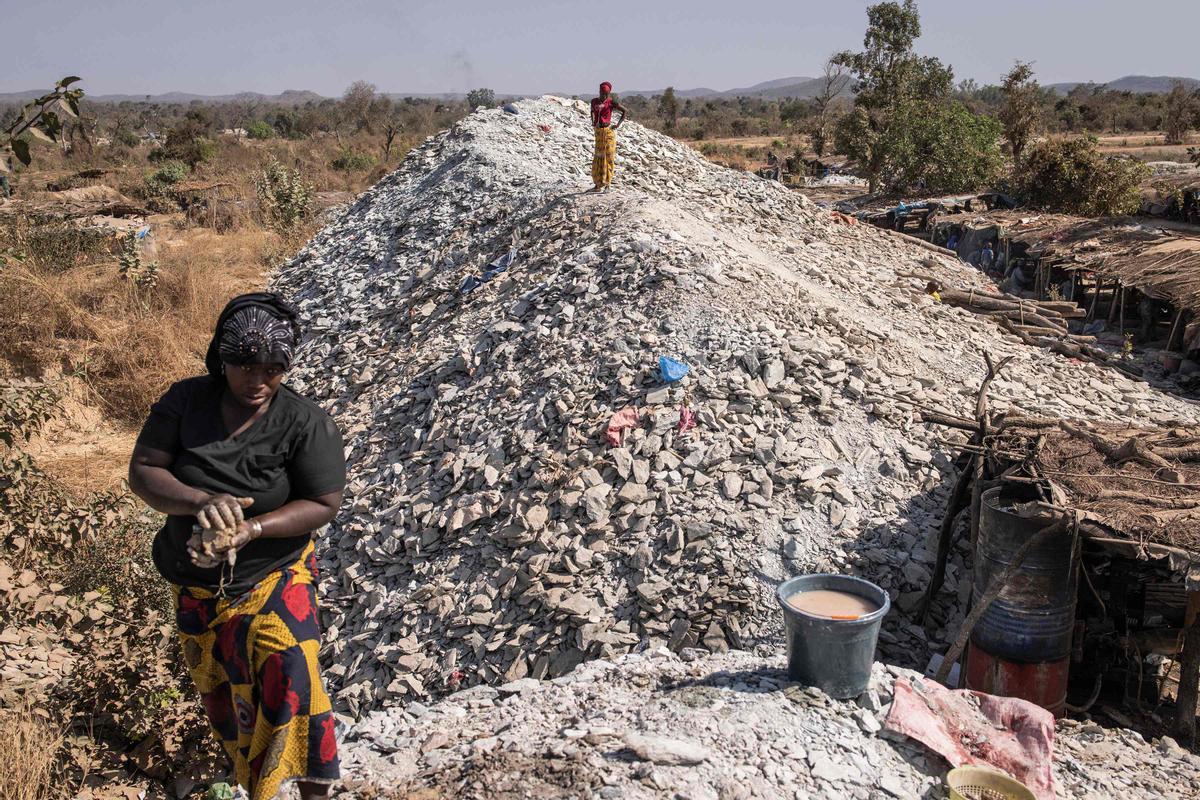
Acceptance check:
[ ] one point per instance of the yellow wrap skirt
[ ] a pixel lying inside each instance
(604, 160)
(254, 661)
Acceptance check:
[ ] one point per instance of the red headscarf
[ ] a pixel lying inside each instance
(605, 87)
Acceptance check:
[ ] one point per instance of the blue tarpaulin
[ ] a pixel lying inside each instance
(671, 370)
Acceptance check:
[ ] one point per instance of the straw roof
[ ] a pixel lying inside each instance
(1163, 264)
(1139, 485)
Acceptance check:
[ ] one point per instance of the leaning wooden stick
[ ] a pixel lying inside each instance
(992, 592)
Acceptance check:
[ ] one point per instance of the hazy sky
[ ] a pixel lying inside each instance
(223, 46)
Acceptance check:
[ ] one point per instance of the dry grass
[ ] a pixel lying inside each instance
(128, 344)
(29, 751)
(69, 316)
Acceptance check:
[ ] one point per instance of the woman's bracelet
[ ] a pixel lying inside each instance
(256, 527)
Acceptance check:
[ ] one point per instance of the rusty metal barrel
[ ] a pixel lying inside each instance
(1022, 643)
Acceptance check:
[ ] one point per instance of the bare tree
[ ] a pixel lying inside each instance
(834, 79)
(393, 125)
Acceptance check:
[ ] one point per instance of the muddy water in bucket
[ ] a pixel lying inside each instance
(833, 625)
(831, 604)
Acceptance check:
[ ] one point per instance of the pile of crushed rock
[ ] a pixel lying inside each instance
(528, 493)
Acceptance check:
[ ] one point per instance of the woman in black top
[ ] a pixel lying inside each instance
(237, 450)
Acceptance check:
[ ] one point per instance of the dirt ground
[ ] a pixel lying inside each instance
(83, 449)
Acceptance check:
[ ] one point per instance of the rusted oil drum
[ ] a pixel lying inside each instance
(1032, 619)
(1043, 683)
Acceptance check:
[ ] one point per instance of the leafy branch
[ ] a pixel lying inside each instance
(41, 119)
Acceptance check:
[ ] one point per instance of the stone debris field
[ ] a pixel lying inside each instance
(705, 728)
(528, 494)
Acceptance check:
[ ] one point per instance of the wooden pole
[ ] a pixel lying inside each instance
(1091, 314)
(1121, 330)
(1189, 675)
(933, 248)
(1112, 305)
(1174, 330)
(981, 417)
(946, 532)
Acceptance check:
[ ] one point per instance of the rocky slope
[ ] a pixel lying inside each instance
(476, 321)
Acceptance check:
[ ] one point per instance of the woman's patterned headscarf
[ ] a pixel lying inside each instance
(256, 328)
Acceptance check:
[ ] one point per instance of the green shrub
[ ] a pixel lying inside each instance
(283, 196)
(143, 274)
(126, 137)
(204, 150)
(259, 130)
(480, 97)
(169, 173)
(1072, 176)
(353, 161)
(190, 143)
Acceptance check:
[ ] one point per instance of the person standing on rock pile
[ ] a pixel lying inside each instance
(604, 160)
(247, 470)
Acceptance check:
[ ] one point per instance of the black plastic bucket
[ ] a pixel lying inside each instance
(835, 655)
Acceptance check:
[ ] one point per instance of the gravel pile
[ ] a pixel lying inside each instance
(477, 321)
(704, 727)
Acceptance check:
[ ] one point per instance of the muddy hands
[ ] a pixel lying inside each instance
(220, 530)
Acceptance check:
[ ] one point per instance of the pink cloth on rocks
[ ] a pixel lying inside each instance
(973, 728)
(628, 417)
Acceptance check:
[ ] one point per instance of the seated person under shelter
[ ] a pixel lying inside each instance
(1018, 280)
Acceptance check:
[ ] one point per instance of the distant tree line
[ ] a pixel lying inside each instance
(1085, 109)
(178, 127)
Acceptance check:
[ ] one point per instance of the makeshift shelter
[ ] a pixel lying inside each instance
(1102, 263)
(1130, 498)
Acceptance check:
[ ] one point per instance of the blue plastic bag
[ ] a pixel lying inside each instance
(670, 370)
(511, 109)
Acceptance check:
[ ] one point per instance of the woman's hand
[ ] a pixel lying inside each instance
(223, 511)
(211, 547)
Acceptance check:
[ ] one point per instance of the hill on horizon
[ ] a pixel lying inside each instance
(790, 88)
(798, 87)
(288, 97)
(1138, 84)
